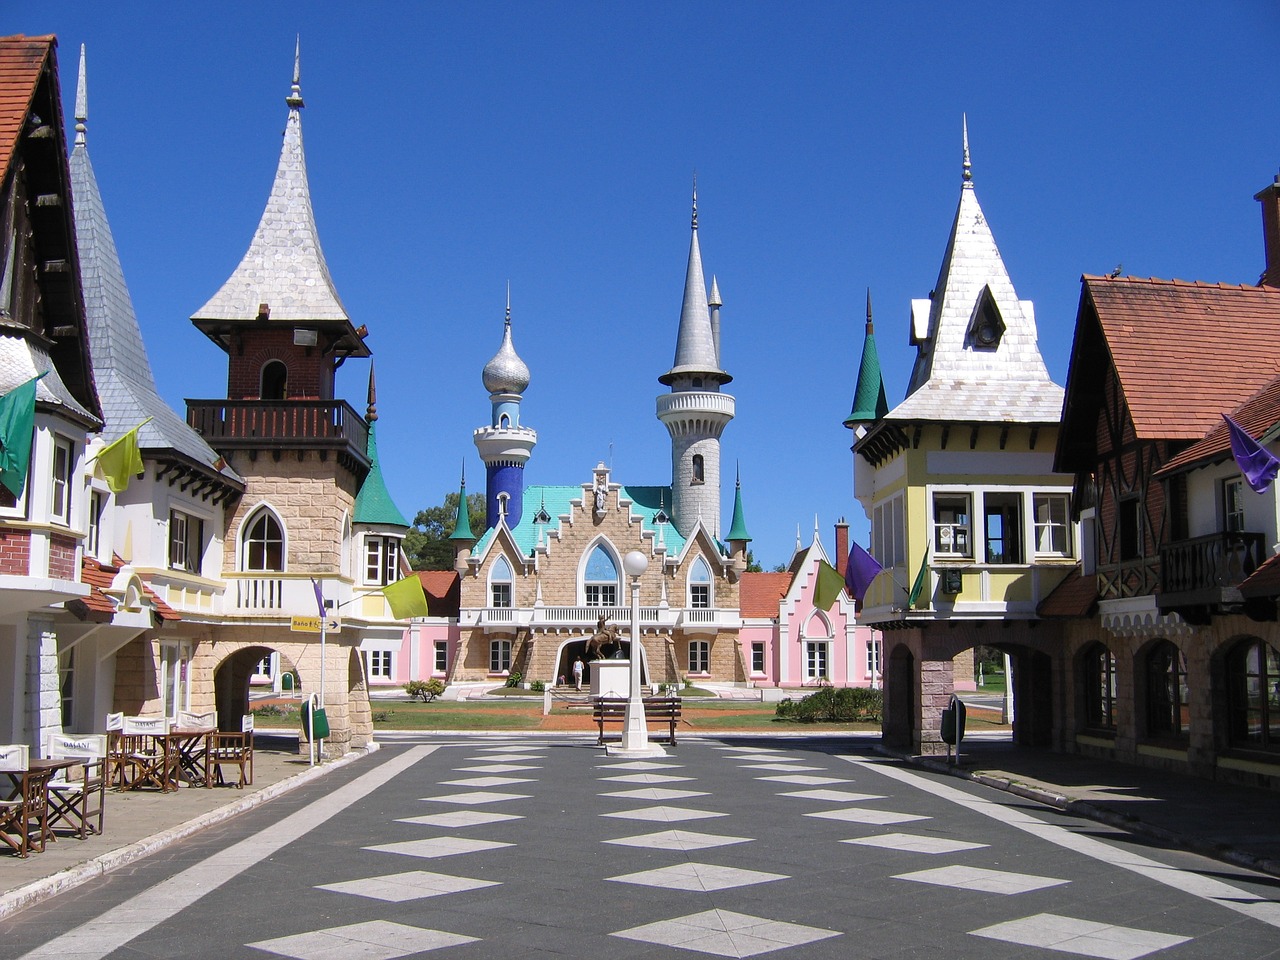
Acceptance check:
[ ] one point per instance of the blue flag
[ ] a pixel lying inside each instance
(1254, 460)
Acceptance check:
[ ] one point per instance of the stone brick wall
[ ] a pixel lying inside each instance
(310, 494)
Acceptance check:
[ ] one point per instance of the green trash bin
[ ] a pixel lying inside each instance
(315, 725)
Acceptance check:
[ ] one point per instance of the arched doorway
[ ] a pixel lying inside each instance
(901, 699)
(576, 647)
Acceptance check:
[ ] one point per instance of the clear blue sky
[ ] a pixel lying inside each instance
(454, 147)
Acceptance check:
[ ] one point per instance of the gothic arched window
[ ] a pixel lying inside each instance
(700, 585)
(500, 583)
(263, 544)
(600, 579)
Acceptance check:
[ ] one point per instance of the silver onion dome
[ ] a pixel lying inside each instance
(506, 372)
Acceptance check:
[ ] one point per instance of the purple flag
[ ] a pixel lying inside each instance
(1254, 460)
(862, 569)
(315, 584)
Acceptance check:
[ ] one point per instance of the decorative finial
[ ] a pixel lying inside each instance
(737, 470)
(371, 410)
(508, 304)
(294, 100)
(695, 200)
(82, 102)
(869, 327)
(464, 471)
(968, 167)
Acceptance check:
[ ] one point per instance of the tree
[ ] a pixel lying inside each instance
(427, 543)
(753, 565)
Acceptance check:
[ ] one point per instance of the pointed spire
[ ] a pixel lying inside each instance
(694, 221)
(462, 519)
(799, 543)
(967, 169)
(696, 353)
(869, 401)
(713, 299)
(371, 403)
(738, 527)
(373, 502)
(294, 100)
(82, 102)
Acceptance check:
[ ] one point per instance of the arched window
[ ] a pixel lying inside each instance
(699, 471)
(504, 421)
(275, 381)
(600, 579)
(1253, 694)
(816, 635)
(263, 544)
(700, 585)
(500, 583)
(1099, 673)
(1166, 707)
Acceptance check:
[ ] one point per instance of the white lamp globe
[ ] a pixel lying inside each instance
(635, 563)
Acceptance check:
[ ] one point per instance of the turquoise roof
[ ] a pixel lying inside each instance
(554, 498)
(373, 502)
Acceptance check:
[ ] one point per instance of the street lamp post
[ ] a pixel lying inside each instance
(635, 734)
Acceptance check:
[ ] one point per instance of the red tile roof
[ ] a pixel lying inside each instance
(1075, 596)
(760, 593)
(22, 59)
(97, 606)
(1263, 582)
(443, 590)
(1185, 351)
(1256, 416)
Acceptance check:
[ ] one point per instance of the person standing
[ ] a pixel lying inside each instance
(577, 673)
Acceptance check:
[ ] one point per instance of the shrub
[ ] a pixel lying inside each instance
(514, 678)
(537, 686)
(424, 690)
(382, 716)
(835, 705)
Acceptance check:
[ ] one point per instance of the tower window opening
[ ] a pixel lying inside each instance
(699, 470)
(504, 421)
(275, 381)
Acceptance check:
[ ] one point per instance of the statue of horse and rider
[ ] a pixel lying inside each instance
(603, 637)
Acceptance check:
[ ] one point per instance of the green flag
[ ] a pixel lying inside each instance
(17, 424)
(406, 597)
(917, 588)
(828, 587)
(121, 459)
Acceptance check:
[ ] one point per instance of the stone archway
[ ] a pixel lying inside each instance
(231, 685)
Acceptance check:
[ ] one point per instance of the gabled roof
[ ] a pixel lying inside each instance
(98, 607)
(1256, 416)
(122, 372)
(443, 590)
(759, 594)
(22, 61)
(957, 376)
(1184, 353)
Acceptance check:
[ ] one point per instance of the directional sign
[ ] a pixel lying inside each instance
(312, 624)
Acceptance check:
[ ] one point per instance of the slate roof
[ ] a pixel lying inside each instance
(645, 502)
(695, 343)
(126, 385)
(759, 594)
(1256, 416)
(284, 266)
(1186, 352)
(373, 502)
(955, 380)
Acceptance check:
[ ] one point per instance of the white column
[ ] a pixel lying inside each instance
(44, 707)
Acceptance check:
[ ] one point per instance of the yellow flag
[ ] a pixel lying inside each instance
(120, 460)
(406, 597)
(829, 586)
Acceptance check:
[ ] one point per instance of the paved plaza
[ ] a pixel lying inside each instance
(492, 847)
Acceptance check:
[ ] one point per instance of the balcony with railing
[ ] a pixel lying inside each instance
(1207, 571)
(281, 424)
(584, 619)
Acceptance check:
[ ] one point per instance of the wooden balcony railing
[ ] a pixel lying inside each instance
(1208, 570)
(281, 424)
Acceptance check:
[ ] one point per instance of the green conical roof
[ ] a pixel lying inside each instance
(869, 401)
(462, 519)
(373, 502)
(738, 528)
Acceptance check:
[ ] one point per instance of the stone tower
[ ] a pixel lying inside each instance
(695, 412)
(504, 445)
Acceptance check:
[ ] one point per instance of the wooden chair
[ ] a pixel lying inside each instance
(147, 759)
(78, 794)
(194, 758)
(116, 755)
(28, 804)
(236, 750)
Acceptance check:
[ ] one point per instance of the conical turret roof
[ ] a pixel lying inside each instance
(738, 528)
(373, 502)
(869, 402)
(695, 343)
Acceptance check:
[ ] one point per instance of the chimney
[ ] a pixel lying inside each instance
(842, 545)
(1270, 200)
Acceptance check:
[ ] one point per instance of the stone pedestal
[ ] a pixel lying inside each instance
(610, 678)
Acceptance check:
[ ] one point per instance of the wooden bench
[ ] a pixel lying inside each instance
(656, 709)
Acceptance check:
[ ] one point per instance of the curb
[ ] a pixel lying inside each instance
(64, 880)
(1096, 812)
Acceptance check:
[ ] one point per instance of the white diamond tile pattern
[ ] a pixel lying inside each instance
(703, 877)
(665, 814)
(371, 940)
(460, 818)
(978, 878)
(913, 843)
(678, 840)
(647, 778)
(866, 815)
(723, 933)
(1082, 937)
(413, 885)
(803, 779)
(476, 796)
(431, 847)
(486, 782)
(655, 793)
(497, 768)
(833, 796)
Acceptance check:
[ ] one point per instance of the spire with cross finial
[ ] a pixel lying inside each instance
(967, 167)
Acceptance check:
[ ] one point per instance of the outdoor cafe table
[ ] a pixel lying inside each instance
(22, 783)
(187, 757)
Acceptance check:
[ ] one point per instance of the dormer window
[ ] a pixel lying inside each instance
(986, 327)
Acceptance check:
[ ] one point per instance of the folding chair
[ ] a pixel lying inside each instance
(147, 759)
(28, 803)
(236, 750)
(78, 794)
(196, 739)
(116, 755)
